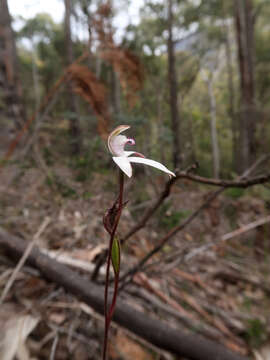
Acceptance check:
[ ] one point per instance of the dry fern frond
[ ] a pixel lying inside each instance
(125, 64)
(92, 91)
(102, 25)
(104, 10)
(129, 69)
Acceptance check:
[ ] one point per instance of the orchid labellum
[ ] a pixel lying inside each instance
(116, 145)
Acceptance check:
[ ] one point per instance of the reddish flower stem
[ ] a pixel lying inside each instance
(108, 315)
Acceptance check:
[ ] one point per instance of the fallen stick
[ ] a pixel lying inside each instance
(23, 259)
(191, 346)
(245, 228)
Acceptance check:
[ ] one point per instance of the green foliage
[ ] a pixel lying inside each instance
(47, 54)
(48, 156)
(89, 161)
(263, 65)
(188, 68)
(256, 332)
(54, 182)
(175, 218)
(41, 25)
(169, 218)
(84, 167)
(87, 195)
(235, 193)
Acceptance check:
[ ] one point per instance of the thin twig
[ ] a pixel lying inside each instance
(26, 253)
(143, 281)
(237, 232)
(153, 208)
(150, 211)
(246, 228)
(54, 345)
(256, 180)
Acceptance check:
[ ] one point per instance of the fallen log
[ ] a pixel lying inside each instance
(160, 334)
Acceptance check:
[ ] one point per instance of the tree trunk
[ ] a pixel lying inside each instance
(85, 9)
(35, 77)
(172, 78)
(10, 99)
(247, 117)
(231, 94)
(74, 126)
(214, 137)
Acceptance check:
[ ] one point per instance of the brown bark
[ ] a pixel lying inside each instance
(74, 127)
(172, 78)
(231, 94)
(214, 135)
(244, 23)
(190, 346)
(10, 99)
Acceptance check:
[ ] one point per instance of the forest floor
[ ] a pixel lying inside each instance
(221, 291)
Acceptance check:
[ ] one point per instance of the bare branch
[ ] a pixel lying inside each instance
(176, 229)
(151, 210)
(257, 180)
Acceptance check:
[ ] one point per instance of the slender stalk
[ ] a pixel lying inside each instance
(108, 315)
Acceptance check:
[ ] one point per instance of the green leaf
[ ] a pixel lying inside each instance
(116, 255)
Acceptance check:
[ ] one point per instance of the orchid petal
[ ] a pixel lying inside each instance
(124, 164)
(150, 162)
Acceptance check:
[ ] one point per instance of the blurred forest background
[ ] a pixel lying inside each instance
(192, 79)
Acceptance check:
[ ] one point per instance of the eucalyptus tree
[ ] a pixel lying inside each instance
(36, 29)
(175, 116)
(244, 14)
(161, 24)
(43, 61)
(10, 94)
(245, 22)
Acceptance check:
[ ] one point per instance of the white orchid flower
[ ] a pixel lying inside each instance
(116, 145)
